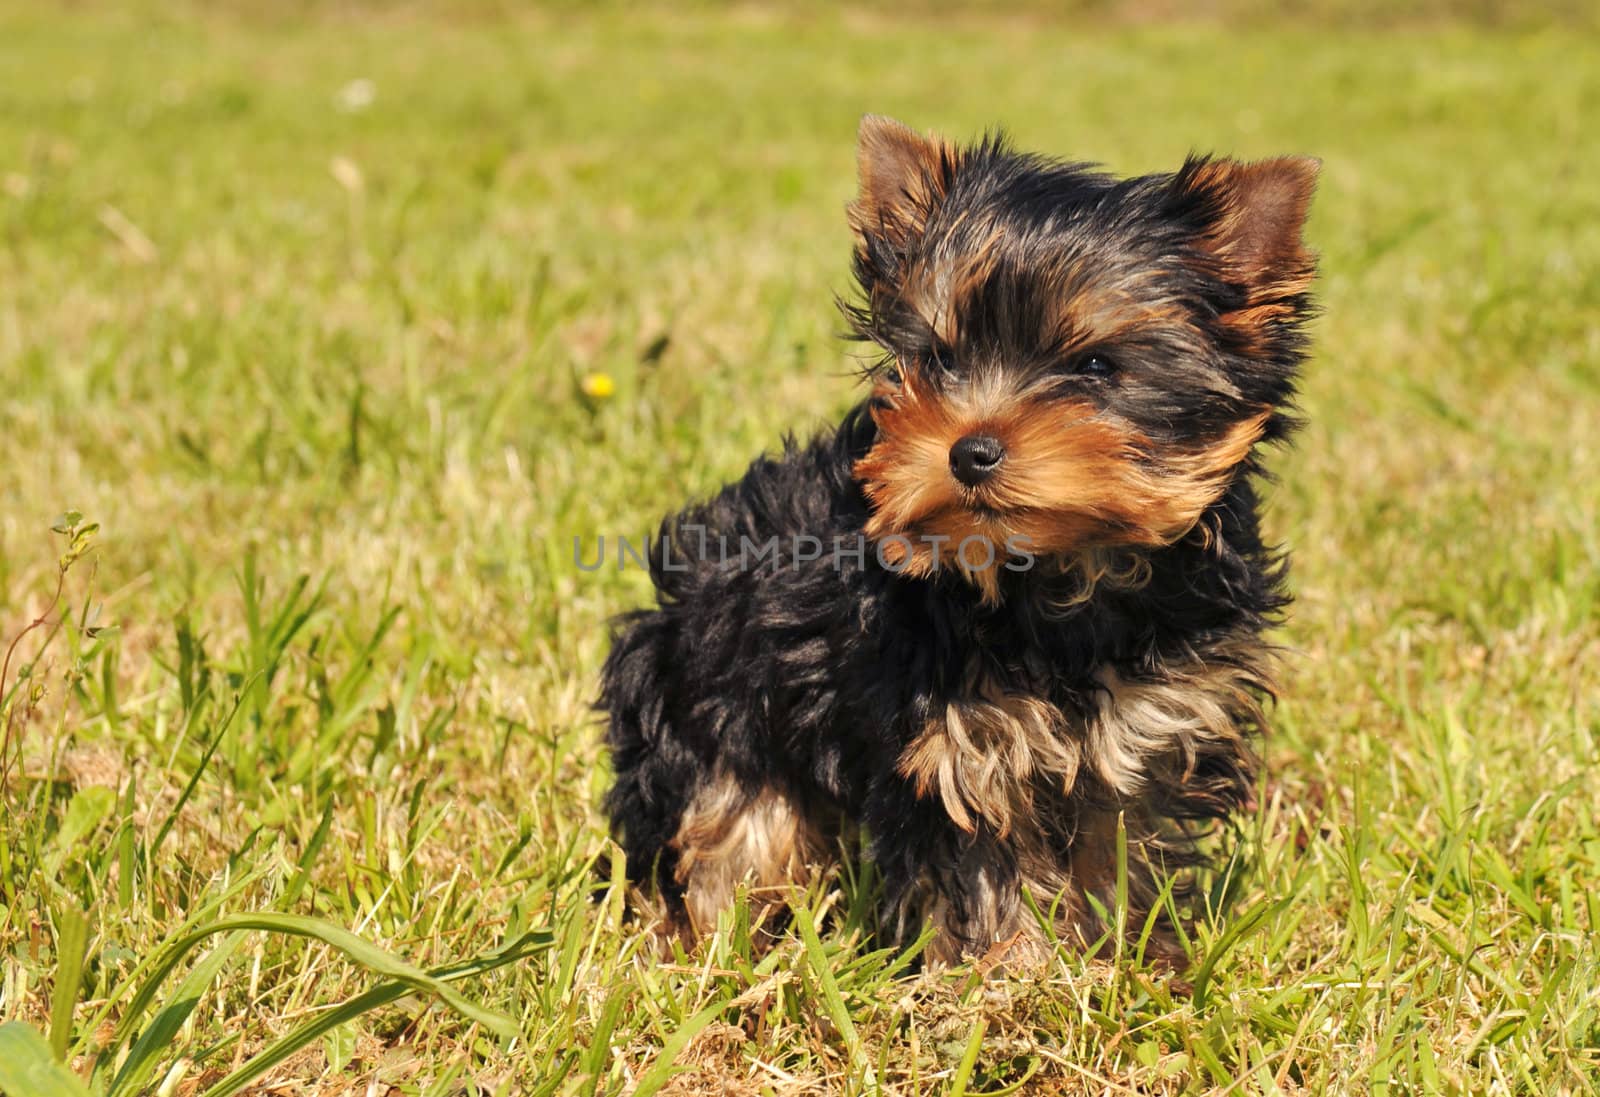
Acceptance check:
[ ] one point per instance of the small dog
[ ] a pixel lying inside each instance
(1009, 612)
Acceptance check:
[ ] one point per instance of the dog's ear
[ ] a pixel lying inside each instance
(902, 177)
(1253, 215)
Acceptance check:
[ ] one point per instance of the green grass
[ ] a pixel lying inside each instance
(315, 369)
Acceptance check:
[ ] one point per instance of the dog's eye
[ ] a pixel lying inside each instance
(942, 359)
(1094, 365)
(891, 374)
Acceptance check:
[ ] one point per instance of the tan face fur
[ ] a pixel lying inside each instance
(1082, 470)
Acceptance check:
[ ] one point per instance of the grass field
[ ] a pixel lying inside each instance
(307, 315)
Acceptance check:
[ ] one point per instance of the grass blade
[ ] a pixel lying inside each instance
(969, 1059)
(161, 1031)
(157, 1038)
(29, 1069)
(199, 770)
(831, 998)
(129, 1019)
(375, 998)
(660, 1071)
(363, 952)
(72, 942)
(1242, 927)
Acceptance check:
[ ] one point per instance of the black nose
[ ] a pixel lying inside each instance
(974, 458)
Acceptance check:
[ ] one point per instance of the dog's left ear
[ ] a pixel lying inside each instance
(1253, 216)
(903, 174)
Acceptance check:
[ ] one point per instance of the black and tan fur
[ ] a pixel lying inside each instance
(1077, 375)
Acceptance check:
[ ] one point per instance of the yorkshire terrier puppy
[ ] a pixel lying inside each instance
(1013, 604)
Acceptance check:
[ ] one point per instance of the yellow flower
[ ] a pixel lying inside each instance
(598, 386)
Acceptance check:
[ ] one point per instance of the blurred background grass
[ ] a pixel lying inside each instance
(312, 292)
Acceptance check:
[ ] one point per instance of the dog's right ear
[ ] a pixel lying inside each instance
(902, 177)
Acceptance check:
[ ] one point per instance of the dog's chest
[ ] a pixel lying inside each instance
(994, 751)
